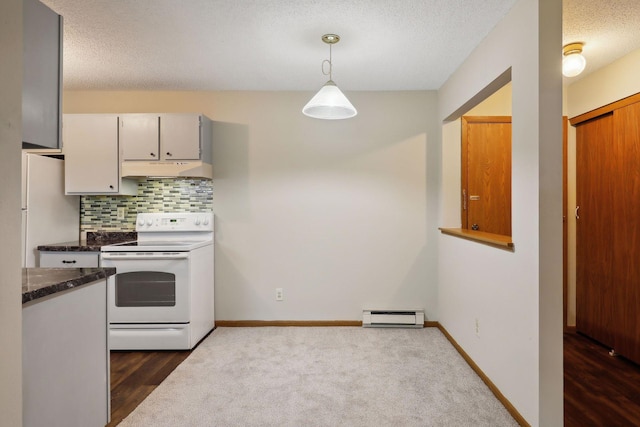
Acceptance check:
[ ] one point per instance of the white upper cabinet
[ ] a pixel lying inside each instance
(140, 136)
(92, 155)
(42, 76)
(164, 137)
(180, 137)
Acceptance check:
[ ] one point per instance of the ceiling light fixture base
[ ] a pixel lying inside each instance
(571, 48)
(331, 38)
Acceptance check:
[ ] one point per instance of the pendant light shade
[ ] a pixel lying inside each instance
(329, 103)
(573, 62)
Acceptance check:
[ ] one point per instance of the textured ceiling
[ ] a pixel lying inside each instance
(276, 45)
(610, 29)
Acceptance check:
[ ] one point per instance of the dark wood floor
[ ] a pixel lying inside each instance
(134, 374)
(599, 390)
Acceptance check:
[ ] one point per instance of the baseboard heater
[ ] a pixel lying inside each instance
(393, 318)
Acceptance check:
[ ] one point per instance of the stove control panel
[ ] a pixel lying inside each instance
(183, 221)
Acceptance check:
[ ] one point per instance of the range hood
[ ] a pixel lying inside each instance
(165, 169)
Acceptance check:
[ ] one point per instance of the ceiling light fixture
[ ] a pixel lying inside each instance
(573, 62)
(329, 103)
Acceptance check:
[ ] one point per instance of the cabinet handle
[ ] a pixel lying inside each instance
(64, 261)
(169, 154)
(577, 209)
(111, 187)
(152, 154)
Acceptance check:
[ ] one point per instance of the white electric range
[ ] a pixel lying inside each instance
(163, 292)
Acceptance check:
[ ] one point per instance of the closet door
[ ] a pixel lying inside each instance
(608, 230)
(625, 223)
(596, 165)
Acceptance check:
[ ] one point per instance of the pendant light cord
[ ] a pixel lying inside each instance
(330, 65)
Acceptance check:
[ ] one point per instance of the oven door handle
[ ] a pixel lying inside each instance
(152, 256)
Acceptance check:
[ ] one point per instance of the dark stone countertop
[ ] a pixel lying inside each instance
(41, 282)
(73, 246)
(93, 243)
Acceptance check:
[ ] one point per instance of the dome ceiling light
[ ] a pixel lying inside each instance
(573, 62)
(329, 103)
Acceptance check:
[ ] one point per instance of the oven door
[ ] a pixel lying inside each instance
(149, 287)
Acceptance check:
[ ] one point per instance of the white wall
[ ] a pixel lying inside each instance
(10, 144)
(515, 296)
(609, 84)
(340, 214)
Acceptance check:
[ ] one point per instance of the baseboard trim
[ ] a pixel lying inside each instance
(505, 402)
(259, 323)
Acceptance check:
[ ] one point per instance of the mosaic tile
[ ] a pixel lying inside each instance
(100, 213)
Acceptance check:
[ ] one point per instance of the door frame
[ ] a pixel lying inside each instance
(565, 222)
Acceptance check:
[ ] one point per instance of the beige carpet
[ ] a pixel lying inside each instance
(322, 376)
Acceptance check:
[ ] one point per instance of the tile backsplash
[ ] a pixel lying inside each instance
(100, 213)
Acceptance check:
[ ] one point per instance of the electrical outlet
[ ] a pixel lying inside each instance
(121, 213)
(477, 327)
(279, 294)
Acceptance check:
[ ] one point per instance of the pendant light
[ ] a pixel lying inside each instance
(573, 62)
(329, 103)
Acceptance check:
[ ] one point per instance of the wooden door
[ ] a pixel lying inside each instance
(608, 230)
(486, 174)
(596, 162)
(608, 227)
(625, 236)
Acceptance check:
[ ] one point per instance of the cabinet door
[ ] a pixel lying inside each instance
(180, 136)
(41, 75)
(65, 348)
(91, 153)
(139, 136)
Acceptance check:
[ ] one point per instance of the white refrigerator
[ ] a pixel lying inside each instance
(48, 215)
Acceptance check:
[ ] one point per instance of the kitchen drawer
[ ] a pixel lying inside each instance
(69, 259)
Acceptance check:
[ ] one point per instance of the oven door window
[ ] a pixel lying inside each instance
(145, 289)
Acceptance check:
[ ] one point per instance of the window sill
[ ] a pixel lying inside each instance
(497, 240)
